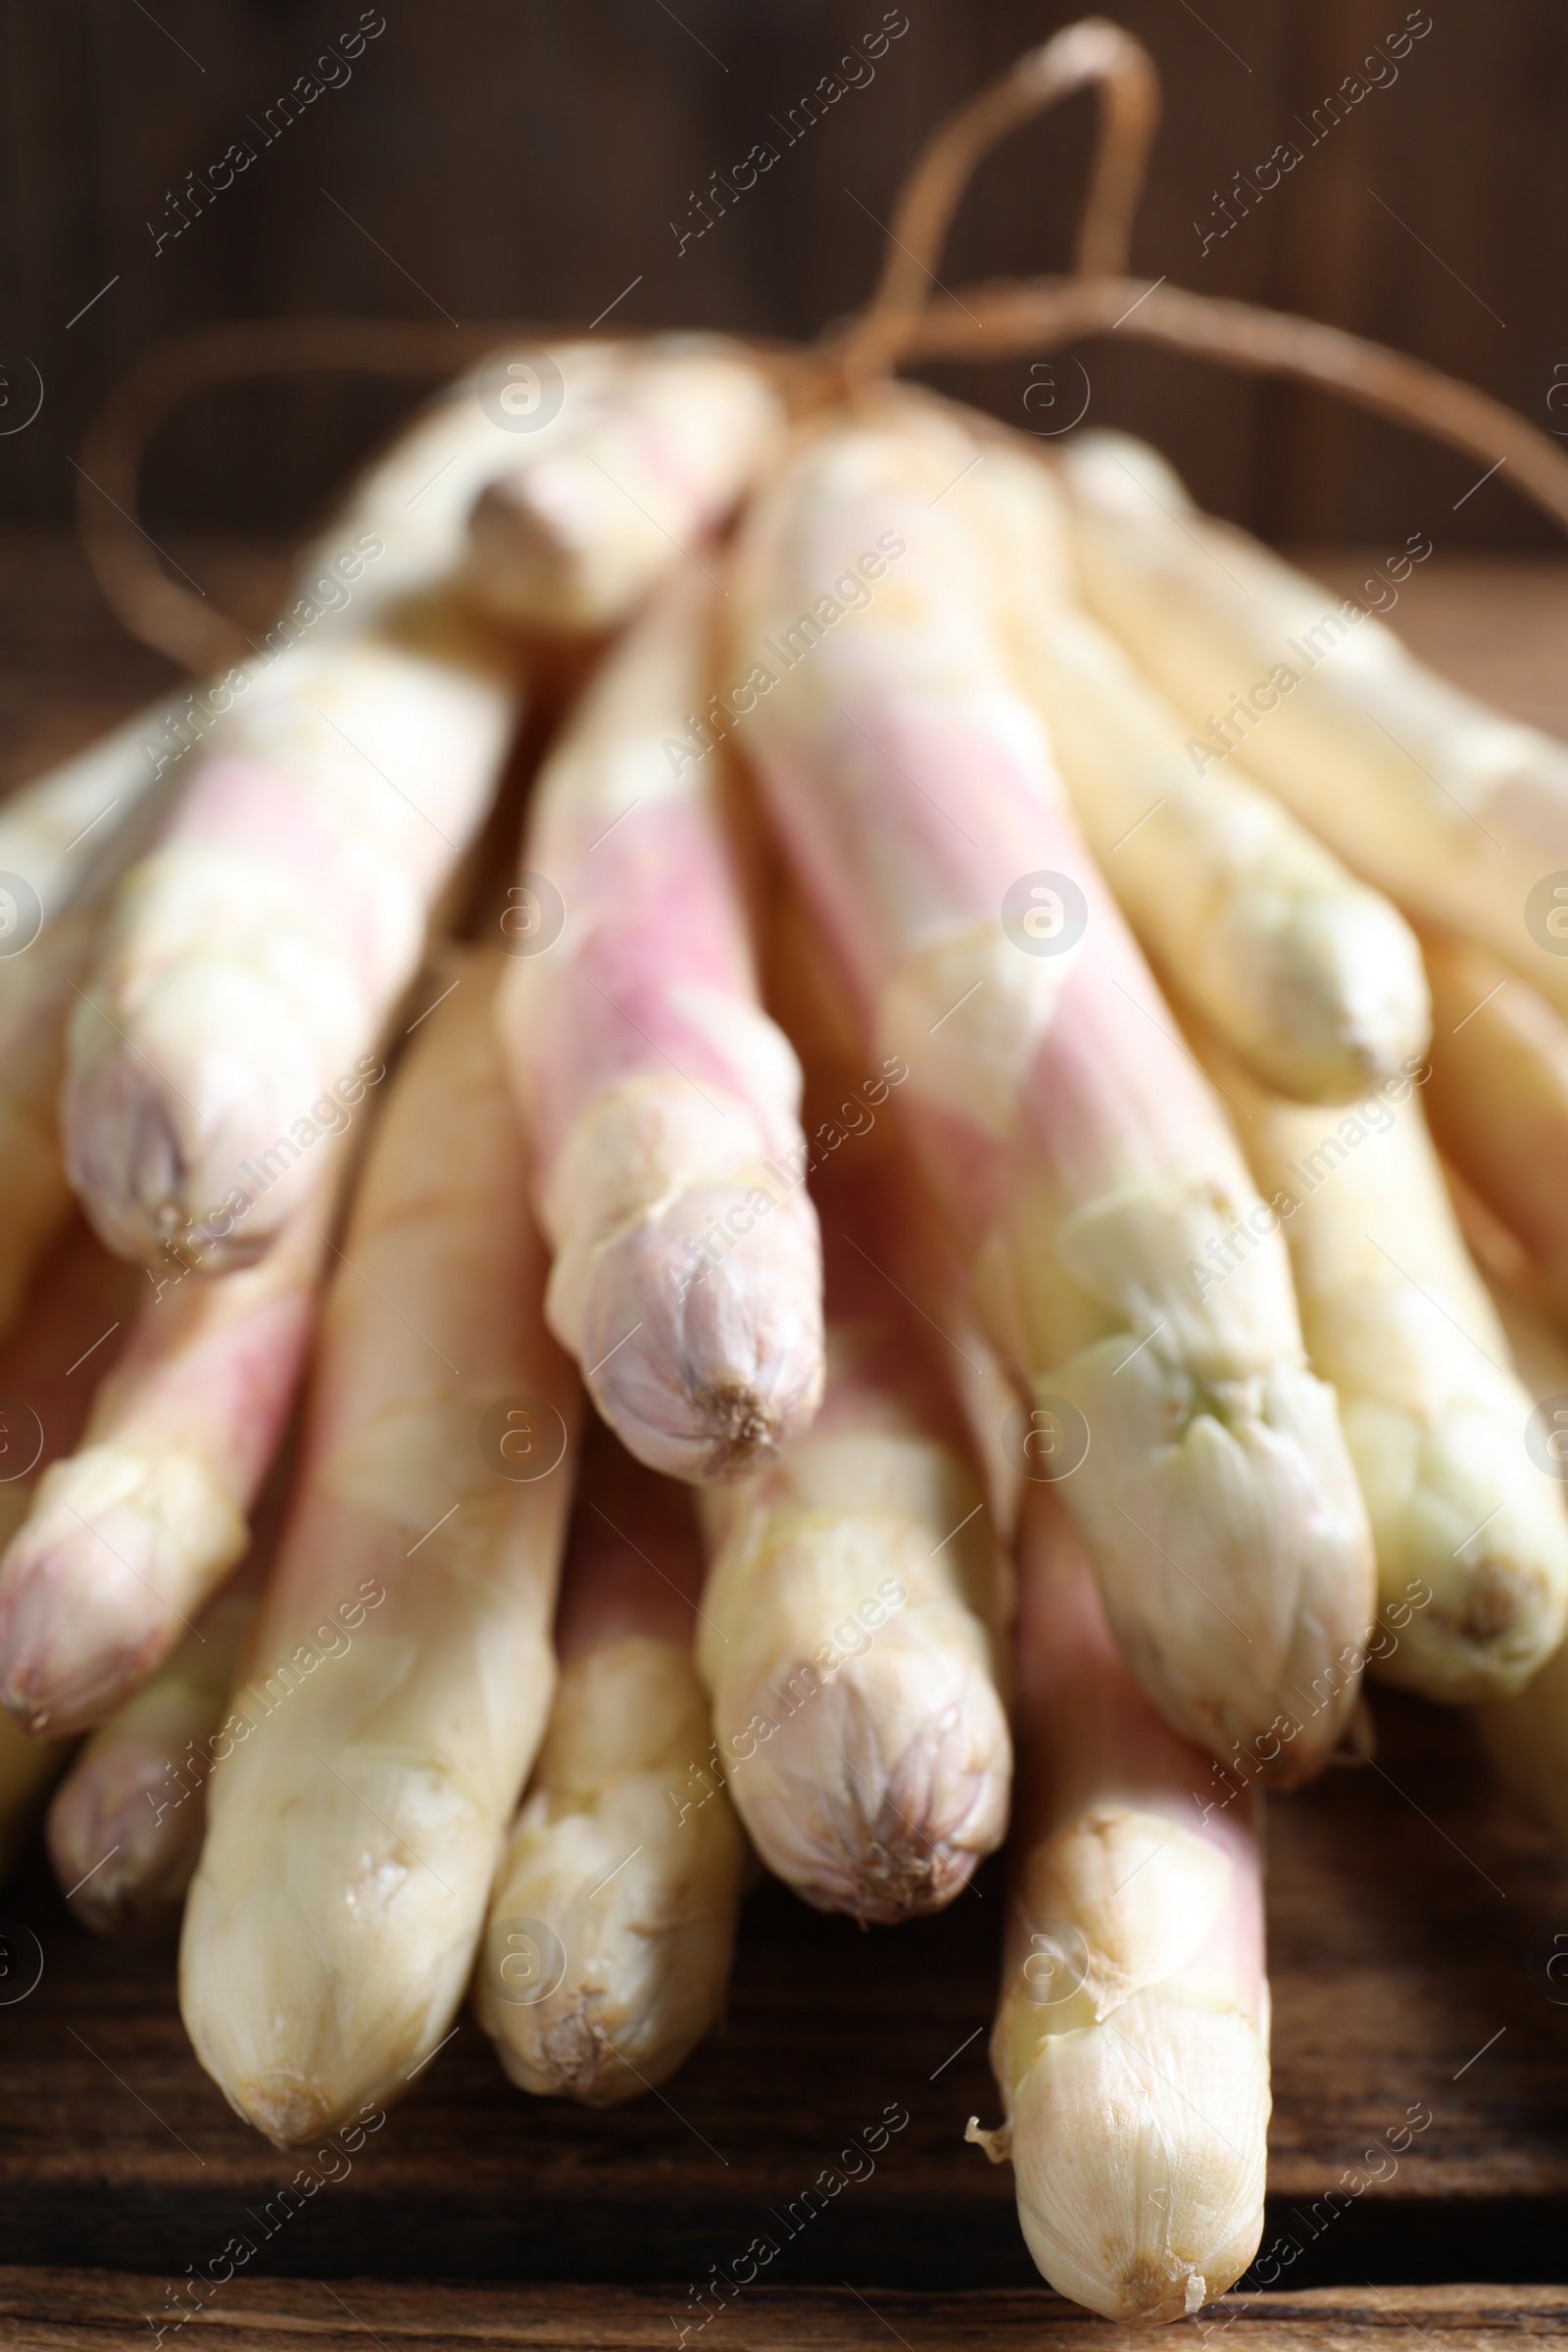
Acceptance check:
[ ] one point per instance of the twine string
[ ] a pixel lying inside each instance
(907, 320)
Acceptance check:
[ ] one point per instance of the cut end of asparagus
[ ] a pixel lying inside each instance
(285, 2107)
(1139, 2147)
(705, 1365)
(878, 1791)
(99, 1584)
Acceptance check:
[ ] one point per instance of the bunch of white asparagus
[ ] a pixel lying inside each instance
(1104, 874)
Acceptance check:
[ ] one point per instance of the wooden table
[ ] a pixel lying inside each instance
(1406, 1904)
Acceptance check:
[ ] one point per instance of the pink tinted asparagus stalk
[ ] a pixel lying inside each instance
(128, 1536)
(398, 1678)
(1131, 2047)
(661, 1101)
(77, 1294)
(251, 961)
(65, 839)
(1070, 1137)
(336, 781)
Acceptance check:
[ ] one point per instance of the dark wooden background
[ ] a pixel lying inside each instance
(507, 158)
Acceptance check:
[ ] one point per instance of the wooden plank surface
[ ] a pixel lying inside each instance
(1404, 1901)
(66, 2310)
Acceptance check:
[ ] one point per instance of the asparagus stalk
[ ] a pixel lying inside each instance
(571, 541)
(68, 837)
(1499, 1099)
(63, 841)
(129, 1535)
(1131, 2043)
(1310, 976)
(613, 1919)
(356, 1824)
(1468, 1535)
(661, 1101)
(252, 960)
(1461, 815)
(850, 1623)
(1526, 1734)
(518, 408)
(1066, 1130)
(127, 1823)
(77, 1299)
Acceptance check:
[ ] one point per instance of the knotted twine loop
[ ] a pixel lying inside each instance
(905, 321)
(1091, 54)
(902, 323)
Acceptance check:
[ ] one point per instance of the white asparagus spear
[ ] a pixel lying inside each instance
(1309, 975)
(1526, 1735)
(127, 1823)
(68, 836)
(1076, 1147)
(1468, 1535)
(1131, 2045)
(660, 1098)
(1460, 814)
(358, 1818)
(251, 960)
(63, 841)
(851, 1623)
(253, 957)
(613, 1919)
(1497, 1099)
(571, 541)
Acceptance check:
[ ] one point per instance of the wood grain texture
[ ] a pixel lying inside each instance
(61, 2310)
